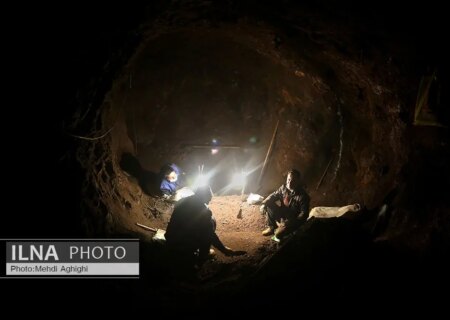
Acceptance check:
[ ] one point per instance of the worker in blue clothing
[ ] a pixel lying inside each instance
(169, 180)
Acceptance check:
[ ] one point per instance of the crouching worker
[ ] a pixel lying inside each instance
(171, 187)
(191, 230)
(286, 208)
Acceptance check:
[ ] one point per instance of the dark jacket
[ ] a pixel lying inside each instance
(298, 204)
(192, 226)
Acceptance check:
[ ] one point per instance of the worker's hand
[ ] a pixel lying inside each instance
(262, 209)
(281, 224)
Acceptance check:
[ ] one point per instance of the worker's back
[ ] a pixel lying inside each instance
(190, 222)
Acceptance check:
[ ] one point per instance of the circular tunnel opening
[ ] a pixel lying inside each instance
(230, 100)
(255, 96)
(211, 102)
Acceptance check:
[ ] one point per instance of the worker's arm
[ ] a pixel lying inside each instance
(274, 196)
(271, 198)
(302, 207)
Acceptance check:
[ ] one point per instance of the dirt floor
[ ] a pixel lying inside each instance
(239, 226)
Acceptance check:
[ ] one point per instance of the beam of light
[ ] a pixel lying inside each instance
(251, 170)
(202, 180)
(239, 180)
(247, 171)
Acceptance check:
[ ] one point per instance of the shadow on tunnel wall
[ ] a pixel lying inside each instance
(148, 181)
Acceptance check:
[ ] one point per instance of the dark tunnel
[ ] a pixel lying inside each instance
(354, 96)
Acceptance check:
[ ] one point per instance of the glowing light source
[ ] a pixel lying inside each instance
(201, 181)
(239, 180)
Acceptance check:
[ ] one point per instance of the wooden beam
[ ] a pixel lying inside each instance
(269, 151)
